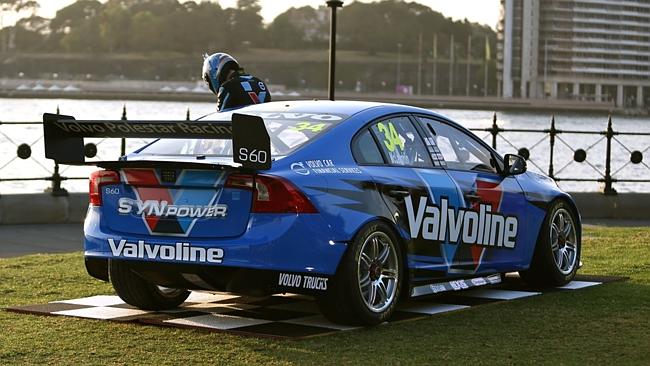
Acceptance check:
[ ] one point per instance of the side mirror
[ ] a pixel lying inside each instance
(514, 165)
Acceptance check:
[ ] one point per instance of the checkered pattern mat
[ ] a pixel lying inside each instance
(283, 316)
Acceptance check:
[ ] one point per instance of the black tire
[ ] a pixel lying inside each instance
(136, 291)
(345, 301)
(545, 267)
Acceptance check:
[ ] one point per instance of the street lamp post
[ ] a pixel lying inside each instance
(2, 39)
(334, 4)
(399, 66)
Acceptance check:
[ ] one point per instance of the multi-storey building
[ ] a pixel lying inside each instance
(575, 49)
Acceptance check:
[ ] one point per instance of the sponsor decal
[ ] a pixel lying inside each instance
(164, 209)
(178, 252)
(458, 285)
(302, 281)
(299, 168)
(322, 166)
(168, 211)
(494, 279)
(436, 287)
(145, 127)
(479, 281)
(303, 116)
(455, 285)
(441, 223)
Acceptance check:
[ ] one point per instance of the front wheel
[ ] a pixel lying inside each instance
(557, 253)
(136, 291)
(368, 282)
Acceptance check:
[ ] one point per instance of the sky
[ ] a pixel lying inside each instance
(479, 11)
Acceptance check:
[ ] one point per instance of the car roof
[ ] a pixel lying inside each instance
(341, 107)
(312, 106)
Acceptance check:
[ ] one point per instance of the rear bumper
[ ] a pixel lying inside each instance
(272, 242)
(253, 282)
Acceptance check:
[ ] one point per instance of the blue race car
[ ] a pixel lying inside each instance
(358, 204)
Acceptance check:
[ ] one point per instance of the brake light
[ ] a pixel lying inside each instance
(277, 195)
(241, 181)
(97, 180)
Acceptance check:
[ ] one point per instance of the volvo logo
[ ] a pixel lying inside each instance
(299, 168)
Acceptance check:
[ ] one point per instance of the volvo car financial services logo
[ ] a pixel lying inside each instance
(163, 208)
(482, 227)
(299, 168)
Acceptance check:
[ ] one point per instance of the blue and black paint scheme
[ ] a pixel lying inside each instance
(259, 248)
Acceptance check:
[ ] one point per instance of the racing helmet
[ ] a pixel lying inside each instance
(216, 68)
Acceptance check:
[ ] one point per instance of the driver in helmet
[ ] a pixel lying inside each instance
(233, 87)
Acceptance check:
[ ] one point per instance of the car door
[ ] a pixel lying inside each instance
(415, 189)
(492, 237)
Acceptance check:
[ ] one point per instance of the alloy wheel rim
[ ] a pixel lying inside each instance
(378, 272)
(564, 242)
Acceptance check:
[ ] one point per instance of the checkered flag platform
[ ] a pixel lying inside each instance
(284, 316)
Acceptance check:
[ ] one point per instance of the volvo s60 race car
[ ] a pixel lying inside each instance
(358, 204)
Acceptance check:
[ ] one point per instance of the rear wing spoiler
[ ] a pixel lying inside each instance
(64, 136)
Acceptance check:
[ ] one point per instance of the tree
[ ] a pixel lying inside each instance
(155, 7)
(83, 37)
(300, 27)
(195, 28)
(244, 24)
(115, 25)
(30, 33)
(145, 30)
(18, 5)
(14, 6)
(74, 15)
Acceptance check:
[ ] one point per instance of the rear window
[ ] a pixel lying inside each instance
(287, 135)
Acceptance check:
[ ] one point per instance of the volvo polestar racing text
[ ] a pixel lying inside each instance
(357, 204)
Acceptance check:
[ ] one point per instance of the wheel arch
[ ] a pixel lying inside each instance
(546, 205)
(574, 208)
(402, 243)
(538, 271)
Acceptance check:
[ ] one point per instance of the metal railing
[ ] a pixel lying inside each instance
(607, 176)
(24, 152)
(579, 155)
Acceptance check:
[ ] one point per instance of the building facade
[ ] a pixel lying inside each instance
(595, 50)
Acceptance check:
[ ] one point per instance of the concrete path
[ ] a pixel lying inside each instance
(17, 240)
(617, 223)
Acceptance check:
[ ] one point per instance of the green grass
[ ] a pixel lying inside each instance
(607, 324)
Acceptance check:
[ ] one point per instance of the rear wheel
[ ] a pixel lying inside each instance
(136, 291)
(368, 282)
(557, 253)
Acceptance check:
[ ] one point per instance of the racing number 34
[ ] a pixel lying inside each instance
(391, 137)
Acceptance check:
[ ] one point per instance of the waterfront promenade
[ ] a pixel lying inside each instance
(196, 92)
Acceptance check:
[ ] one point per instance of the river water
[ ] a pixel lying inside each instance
(31, 110)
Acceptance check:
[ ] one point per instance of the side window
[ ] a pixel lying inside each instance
(401, 143)
(365, 150)
(460, 150)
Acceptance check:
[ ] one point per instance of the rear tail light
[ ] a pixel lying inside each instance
(97, 180)
(272, 194)
(241, 181)
(277, 195)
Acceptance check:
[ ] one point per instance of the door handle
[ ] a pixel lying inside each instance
(398, 193)
(472, 197)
